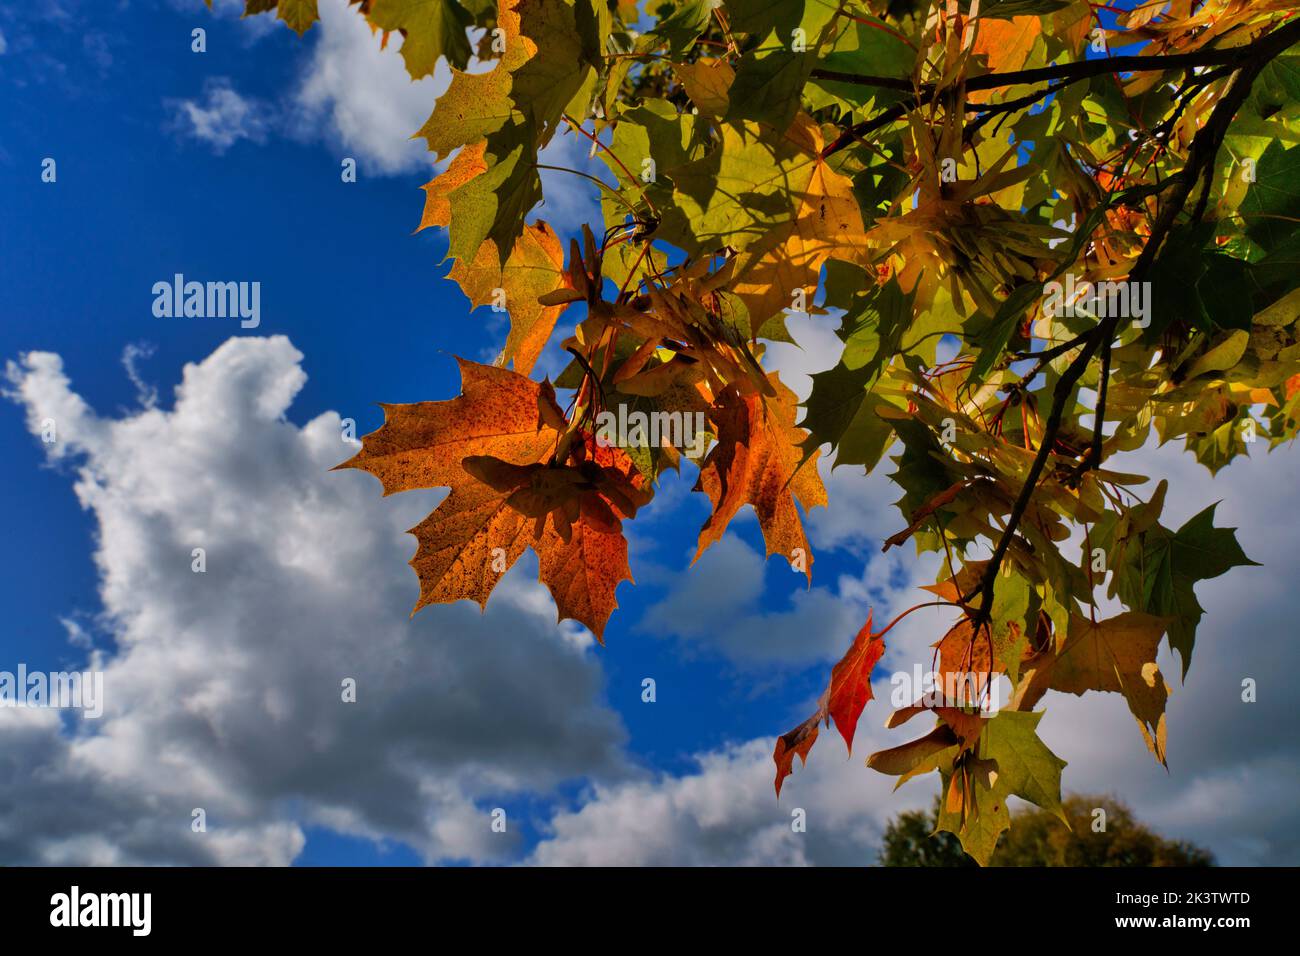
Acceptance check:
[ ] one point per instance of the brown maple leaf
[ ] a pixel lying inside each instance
(1116, 655)
(797, 742)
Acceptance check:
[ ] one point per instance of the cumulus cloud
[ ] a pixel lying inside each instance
(221, 117)
(363, 95)
(351, 94)
(223, 691)
(716, 606)
(725, 814)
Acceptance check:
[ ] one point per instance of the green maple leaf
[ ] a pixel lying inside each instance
(493, 205)
(1024, 768)
(654, 131)
(769, 83)
(738, 193)
(522, 86)
(874, 326)
(842, 409)
(516, 107)
(867, 46)
(987, 818)
(681, 27)
(1158, 577)
(433, 29)
(1272, 203)
(1025, 765)
(761, 17)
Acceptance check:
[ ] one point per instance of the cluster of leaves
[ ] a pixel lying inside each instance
(1038, 838)
(924, 171)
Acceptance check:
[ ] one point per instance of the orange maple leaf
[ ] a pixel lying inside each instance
(850, 687)
(493, 447)
(757, 462)
(843, 701)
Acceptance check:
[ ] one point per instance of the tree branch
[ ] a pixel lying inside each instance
(1200, 156)
(1262, 50)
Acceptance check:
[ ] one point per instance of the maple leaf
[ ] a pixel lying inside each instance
(491, 447)
(468, 163)
(734, 195)
(432, 30)
(1116, 655)
(299, 15)
(797, 742)
(845, 698)
(1012, 761)
(1006, 44)
(707, 83)
(535, 268)
(1159, 575)
(850, 687)
(756, 462)
(514, 109)
(826, 223)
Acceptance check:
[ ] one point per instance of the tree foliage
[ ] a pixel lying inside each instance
(1038, 838)
(1038, 254)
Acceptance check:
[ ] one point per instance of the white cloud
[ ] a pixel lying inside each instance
(363, 94)
(222, 117)
(224, 690)
(726, 813)
(717, 605)
(568, 200)
(135, 352)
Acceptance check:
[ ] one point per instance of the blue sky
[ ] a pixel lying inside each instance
(225, 165)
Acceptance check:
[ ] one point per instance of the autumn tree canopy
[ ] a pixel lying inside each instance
(1047, 232)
